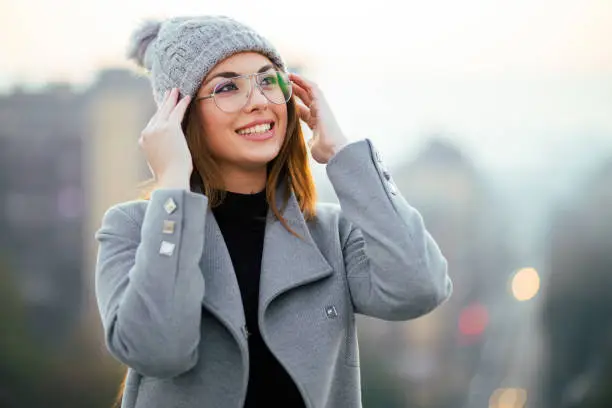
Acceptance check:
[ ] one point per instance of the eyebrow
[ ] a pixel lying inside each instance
(230, 74)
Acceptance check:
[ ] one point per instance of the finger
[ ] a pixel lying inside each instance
(307, 91)
(179, 111)
(314, 109)
(303, 94)
(168, 105)
(303, 111)
(303, 83)
(314, 114)
(153, 118)
(304, 114)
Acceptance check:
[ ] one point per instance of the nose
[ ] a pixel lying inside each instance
(257, 99)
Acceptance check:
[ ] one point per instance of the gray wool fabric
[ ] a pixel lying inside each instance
(177, 319)
(179, 52)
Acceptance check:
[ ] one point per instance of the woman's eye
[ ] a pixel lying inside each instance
(269, 80)
(226, 87)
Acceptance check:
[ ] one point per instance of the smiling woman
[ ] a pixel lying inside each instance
(230, 286)
(234, 145)
(240, 136)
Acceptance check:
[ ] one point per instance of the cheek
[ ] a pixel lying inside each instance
(280, 111)
(216, 125)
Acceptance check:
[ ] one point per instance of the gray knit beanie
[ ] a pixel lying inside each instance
(181, 51)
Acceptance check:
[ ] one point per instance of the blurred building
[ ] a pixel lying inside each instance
(438, 355)
(66, 154)
(577, 310)
(119, 105)
(41, 205)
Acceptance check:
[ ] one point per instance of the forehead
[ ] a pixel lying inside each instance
(242, 63)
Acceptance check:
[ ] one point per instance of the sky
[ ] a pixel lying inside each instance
(501, 77)
(70, 38)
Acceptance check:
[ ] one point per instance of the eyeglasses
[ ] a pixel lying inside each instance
(234, 93)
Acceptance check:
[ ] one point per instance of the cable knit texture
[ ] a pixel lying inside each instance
(181, 51)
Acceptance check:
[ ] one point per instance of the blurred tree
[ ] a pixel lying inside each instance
(33, 375)
(21, 363)
(380, 386)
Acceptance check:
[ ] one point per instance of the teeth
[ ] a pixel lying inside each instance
(255, 129)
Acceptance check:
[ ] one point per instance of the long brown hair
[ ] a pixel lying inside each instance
(290, 166)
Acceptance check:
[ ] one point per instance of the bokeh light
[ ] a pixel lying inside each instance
(508, 398)
(525, 284)
(473, 320)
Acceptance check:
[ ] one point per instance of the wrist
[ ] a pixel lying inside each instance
(336, 148)
(174, 180)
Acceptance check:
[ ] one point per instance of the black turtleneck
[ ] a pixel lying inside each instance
(242, 220)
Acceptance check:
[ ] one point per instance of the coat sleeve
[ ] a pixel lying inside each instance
(395, 270)
(148, 284)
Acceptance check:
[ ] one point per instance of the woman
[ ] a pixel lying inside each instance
(230, 286)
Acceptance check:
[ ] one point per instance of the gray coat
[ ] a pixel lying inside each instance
(171, 308)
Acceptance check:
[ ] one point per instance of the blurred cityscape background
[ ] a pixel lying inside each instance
(495, 119)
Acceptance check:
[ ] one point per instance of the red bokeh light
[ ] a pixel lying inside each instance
(473, 320)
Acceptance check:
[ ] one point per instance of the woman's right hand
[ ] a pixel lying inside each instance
(164, 143)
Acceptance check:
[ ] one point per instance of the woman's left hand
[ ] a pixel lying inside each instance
(327, 137)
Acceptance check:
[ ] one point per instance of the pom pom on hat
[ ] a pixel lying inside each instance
(140, 40)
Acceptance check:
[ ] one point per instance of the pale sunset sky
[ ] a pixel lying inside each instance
(68, 39)
(499, 76)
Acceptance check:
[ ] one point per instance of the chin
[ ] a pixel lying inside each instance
(260, 153)
(258, 159)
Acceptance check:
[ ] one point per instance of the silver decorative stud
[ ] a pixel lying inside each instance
(168, 227)
(170, 205)
(166, 248)
(330, 312)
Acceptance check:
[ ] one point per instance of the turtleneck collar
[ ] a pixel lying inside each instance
(244, 206)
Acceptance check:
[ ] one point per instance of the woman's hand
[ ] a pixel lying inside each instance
(327, 136)
(164, 143)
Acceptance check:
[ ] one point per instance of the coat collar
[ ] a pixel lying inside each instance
(287, 263)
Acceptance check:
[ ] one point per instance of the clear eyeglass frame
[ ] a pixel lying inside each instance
(257, 84)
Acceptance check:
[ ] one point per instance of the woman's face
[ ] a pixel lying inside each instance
(252, 136)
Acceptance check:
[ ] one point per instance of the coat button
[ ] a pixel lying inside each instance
(331, 312)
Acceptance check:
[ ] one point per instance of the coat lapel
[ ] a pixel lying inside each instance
(288, 261)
